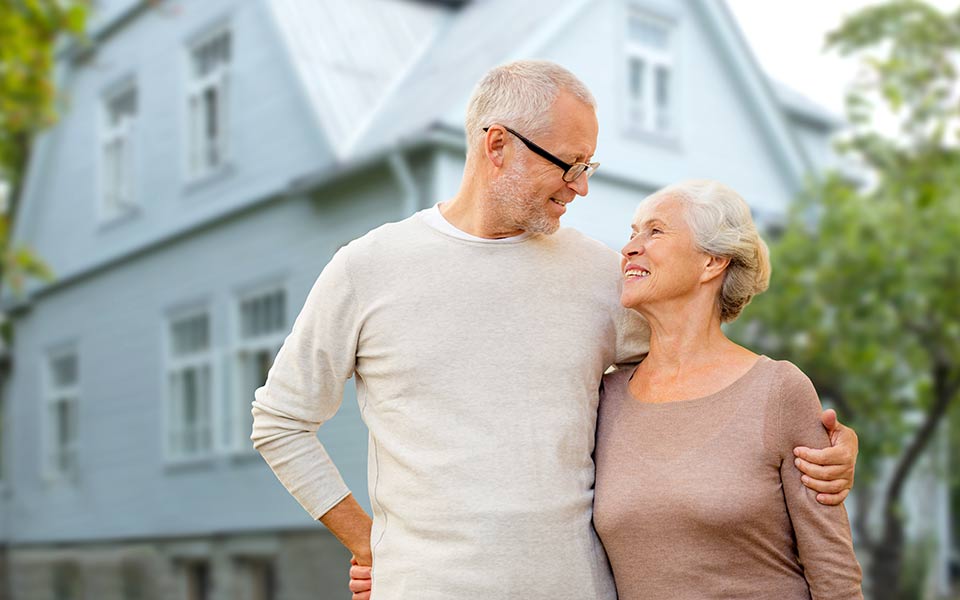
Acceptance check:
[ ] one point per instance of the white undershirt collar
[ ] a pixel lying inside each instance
(434, 218)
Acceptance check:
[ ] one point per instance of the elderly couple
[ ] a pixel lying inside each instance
(503, 461)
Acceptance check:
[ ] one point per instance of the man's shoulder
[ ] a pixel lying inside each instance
(394, 234)
(571, 237)
(585, 253)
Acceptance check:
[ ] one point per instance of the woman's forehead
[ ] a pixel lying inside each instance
(656, 207)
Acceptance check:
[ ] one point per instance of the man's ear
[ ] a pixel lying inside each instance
(494, 145)
(713, 267)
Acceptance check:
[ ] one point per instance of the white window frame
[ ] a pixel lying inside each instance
(52, 462)
(237, 430)
(173, 426)
(257, 577)
(653, 59)
(116, 203)
(198, 149)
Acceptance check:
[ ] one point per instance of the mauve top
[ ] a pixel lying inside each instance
(701, 498)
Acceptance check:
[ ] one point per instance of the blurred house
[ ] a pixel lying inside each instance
(210, 158)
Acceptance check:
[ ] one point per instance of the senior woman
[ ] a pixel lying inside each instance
(675, 522)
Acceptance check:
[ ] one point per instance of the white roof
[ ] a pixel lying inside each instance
(378, 72)
(349, 55)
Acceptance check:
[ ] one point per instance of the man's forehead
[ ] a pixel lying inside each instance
(574, 128)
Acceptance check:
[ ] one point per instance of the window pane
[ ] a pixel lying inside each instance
(210, 125)
(196, 139)
(648, 33)
(62, 420)
(197, 581)
(122, 106)
(191, 418)
(204, 410)
(189, 411)
(190, 334)
(637, 68)
(63, 370)
(173, 416)
(258, 579)
(66, 582)
(133, 581)
(211, 55)
(663, 98)
(263, 315)
(637, 102)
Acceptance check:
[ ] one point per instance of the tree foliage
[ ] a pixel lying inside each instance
(865, 295)
(29, 33)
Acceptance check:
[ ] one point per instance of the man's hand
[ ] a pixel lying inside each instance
(360, 580)
(830, 471)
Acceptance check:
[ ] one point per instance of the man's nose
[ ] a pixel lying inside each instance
(579, 185)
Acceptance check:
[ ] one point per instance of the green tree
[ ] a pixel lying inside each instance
(29, 32)
(865, 295)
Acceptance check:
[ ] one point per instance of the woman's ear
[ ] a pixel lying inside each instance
(713, 268)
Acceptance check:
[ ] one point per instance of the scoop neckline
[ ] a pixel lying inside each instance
(761, 359)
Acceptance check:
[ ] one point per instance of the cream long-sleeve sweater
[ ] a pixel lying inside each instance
(478, 367)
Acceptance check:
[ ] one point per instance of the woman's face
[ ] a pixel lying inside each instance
(660, 263)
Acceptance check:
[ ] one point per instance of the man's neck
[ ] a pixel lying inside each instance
(468, 213)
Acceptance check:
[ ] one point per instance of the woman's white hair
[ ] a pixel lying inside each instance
(519, 95)
(722, 227)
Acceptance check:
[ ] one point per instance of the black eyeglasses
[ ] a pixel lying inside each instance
(570, 171)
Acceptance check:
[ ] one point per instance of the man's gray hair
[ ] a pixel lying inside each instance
(519, 95)
(722, 226)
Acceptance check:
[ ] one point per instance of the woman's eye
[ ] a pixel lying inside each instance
(655, 230)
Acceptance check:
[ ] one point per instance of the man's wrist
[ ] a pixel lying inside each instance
(364, 558)
(351, 525)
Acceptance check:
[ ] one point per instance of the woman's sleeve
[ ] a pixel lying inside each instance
(824, 541)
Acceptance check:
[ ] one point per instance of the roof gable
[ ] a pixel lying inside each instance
(348, 60)
(757, 89)
(460, 54)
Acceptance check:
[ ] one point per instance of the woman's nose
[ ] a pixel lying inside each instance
(633, 248)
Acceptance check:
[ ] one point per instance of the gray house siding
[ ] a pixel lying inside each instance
(269, 140)
(125, 487)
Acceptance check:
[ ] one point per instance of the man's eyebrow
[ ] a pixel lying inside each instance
(572, 156)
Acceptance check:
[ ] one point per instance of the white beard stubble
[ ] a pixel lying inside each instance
(515, 206)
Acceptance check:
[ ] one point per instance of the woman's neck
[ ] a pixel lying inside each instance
(684, 338)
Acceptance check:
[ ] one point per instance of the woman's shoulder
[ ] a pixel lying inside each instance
(615, 380)
(790, 380)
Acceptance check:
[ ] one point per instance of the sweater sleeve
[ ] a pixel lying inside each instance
(633, 337)
(824, 542)
(304, 389)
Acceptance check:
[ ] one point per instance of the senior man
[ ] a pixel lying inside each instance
(478, 334)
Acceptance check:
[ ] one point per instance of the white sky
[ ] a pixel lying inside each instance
(787, 38)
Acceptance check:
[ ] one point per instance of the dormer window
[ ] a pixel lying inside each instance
(651, 97)
(207, 102)
(117, 152)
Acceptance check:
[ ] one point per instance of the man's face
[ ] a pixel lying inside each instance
(530, 191)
